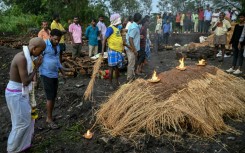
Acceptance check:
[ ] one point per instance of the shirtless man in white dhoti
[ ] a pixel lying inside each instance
(17, 94)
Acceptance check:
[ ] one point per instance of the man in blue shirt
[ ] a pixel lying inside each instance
(92, 32)
(133, 40)
(49, 72)
(207, 19)
(166, 32)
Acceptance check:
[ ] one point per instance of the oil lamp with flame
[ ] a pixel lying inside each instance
(201, 62)
(154, 77)
(182, 65)
(88, 135)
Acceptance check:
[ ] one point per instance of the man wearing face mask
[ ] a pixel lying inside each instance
(49, 73)
(102, 31)
(56, 25)
(115, 43)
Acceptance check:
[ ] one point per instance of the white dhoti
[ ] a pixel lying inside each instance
(22, 123)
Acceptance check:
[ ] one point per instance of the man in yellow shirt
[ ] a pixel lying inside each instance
(56, 25)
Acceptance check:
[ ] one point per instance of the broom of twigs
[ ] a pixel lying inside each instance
(88, 93)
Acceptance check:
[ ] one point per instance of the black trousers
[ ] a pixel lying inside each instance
(100, 46)
(237, 56)
(206, 26)
(200, 25)
(165, 38)
(141, 56)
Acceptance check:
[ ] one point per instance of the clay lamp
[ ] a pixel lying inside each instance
(201, 62)
(182, 65)
(88, 135)
(154, 77)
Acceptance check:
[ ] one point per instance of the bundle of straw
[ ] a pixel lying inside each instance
(192, 101)
(89, 90)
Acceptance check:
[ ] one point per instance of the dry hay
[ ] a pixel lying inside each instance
(195, 100)
(89, 90)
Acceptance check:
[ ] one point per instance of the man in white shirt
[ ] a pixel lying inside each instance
(102, 31)
(220, 28)
(234, 14)
(215, 17)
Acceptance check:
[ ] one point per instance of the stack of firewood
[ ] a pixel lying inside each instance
(13, 43)
(83, 65)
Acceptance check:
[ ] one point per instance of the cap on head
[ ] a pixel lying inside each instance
(115, 19)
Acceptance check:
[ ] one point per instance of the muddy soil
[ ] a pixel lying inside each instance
(75, 116)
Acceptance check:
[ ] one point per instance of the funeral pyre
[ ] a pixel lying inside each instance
(194, 101)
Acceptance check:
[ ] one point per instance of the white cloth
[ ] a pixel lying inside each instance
(22, 124)
(215, 17)
(115, 19)
(27, 89)
(222, 30)
(234, 16)
(116, 22)
(242, 35)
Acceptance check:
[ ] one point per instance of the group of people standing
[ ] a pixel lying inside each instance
(136, 45)
(44, 54)
(201, 20)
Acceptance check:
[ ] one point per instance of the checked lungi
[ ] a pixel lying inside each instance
(115, 58)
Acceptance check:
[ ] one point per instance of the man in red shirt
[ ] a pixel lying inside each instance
(200, 19)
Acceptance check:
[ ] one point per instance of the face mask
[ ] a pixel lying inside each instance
(120, 27)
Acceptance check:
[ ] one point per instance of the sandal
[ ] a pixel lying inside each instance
(52, 125)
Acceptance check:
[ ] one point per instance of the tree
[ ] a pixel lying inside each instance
(225, 4)
(27, 6)
(189, 5)
(125, 7)
(146, 7)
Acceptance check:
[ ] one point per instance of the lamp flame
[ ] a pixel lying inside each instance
(88, 132)
(182, 64)
(202, 62)
(154, 76)
(88, 135)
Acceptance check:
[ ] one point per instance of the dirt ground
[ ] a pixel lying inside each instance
(75, 116)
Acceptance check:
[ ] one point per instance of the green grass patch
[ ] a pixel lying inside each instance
(66, 135)
(19, 24)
